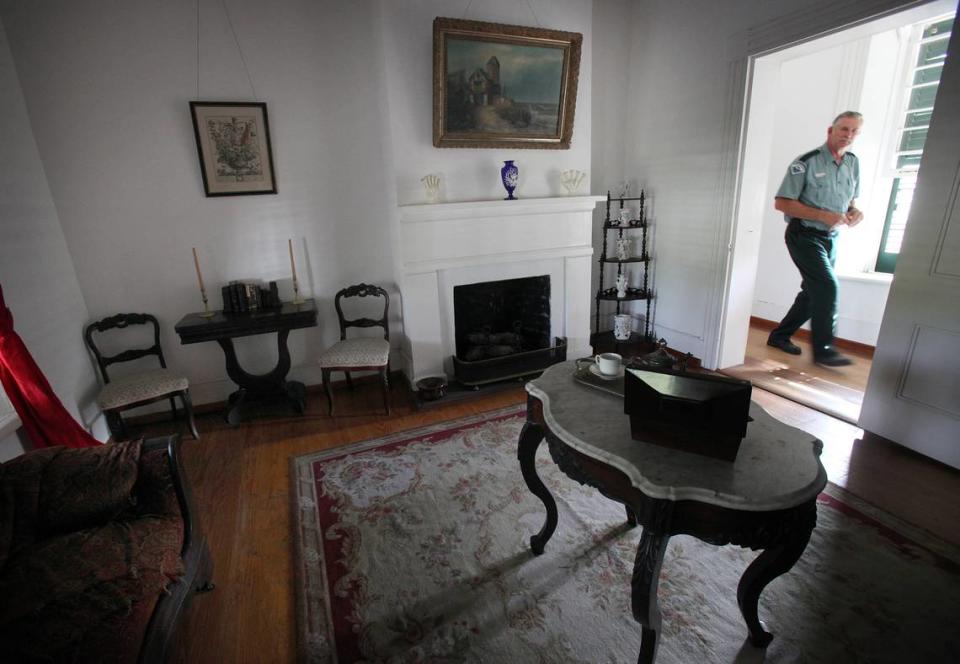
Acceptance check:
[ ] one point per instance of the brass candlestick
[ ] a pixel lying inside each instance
(203, 291)
(293, 269)
(206, 307)
(296, 293)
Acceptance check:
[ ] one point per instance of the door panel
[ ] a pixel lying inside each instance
(913, 395)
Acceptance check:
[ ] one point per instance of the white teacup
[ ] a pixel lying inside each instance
(609, 363)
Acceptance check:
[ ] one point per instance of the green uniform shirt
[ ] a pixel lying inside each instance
(817, 180)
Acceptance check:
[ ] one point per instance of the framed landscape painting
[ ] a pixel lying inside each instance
(503, 86)
(233, 141)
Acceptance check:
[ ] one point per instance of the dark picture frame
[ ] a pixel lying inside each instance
(503, 86)
(233, 143)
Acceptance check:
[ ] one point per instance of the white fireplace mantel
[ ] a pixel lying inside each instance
(449, 244)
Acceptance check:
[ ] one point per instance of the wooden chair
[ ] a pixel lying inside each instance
(359, 353)
(140, 388)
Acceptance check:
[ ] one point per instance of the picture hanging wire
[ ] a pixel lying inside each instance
(197, 97)
(236, 41)
(529, 6)
(535, 19)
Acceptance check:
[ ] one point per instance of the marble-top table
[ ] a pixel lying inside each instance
(766, 499)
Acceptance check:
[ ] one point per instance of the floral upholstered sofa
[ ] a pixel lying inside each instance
(98, 553)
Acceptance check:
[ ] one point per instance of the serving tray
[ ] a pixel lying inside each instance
(583, 375)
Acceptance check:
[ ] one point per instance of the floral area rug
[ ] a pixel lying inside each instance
(414, 548)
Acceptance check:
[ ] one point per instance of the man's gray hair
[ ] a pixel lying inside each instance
(847, 114)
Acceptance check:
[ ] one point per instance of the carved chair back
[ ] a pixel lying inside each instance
(362, 290)
(118, 322)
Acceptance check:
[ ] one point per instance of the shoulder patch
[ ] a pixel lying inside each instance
(798, 167)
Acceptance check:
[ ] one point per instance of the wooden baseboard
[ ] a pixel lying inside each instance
(863, 350)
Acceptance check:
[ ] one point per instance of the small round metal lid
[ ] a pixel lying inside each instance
(659, 358)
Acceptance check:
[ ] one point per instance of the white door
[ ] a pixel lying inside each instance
(913, 395)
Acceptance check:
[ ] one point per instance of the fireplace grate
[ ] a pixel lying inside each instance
(514, 365)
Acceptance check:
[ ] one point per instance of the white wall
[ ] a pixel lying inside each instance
(107, 86)
(348, 85)
(613, 38)
(674, 142)
(36, 270)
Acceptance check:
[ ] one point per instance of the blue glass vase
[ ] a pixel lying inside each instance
(509, 175)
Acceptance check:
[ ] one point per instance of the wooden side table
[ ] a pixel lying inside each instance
(224, 327)
(766, 499)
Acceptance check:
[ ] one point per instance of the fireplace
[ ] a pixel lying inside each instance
(497, 318)
(502, 329)
(447, 248)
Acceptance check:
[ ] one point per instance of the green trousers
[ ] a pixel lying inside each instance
(814, 253)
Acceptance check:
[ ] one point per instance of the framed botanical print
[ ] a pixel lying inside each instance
(503, 86)
(233, 142)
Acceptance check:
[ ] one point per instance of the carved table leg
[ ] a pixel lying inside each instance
(646, 577)
(235, 406)
(261, 387)
(530, 438)
(769, 565)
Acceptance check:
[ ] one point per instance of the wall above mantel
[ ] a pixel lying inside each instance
(471, 173)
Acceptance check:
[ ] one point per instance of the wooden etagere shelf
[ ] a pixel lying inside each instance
(641, 257)
(610, 294)
(632, 259)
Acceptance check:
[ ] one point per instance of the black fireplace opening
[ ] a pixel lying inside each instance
(495, 319)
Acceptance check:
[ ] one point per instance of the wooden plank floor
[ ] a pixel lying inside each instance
(240, 478)
(837, 392)
(853, 377)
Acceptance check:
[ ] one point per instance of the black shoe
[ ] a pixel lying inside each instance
(785, 345)
(833, 360)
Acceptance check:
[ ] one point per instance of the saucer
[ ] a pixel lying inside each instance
(596, 372)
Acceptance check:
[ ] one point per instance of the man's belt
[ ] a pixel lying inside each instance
(795, 224)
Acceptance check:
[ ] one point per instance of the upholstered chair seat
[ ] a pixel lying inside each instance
(147, 386)
(364, 352)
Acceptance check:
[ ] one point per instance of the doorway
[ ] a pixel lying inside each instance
(793, 95)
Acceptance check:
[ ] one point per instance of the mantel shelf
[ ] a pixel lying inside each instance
(426, 212)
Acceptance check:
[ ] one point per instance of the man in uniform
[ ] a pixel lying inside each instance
(817, 195)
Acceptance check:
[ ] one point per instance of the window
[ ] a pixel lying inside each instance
(928, 54)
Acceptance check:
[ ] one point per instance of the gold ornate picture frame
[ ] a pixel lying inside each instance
(503, 86)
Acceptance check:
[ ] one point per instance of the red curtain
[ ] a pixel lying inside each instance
(43, 416)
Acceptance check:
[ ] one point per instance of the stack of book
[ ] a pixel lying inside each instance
(242, 296)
